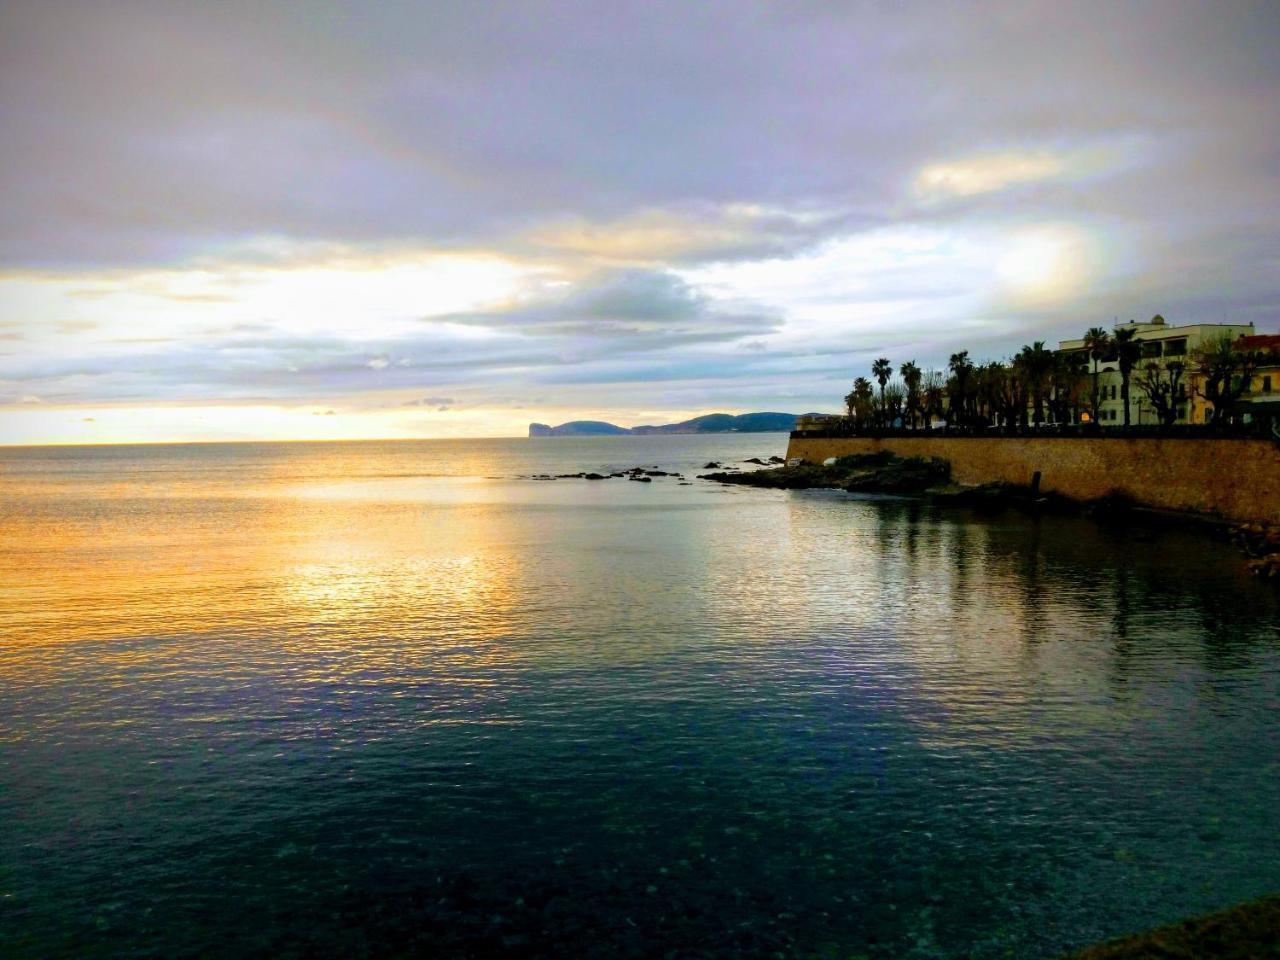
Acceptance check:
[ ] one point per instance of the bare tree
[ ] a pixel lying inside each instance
(1223, 373)
(1164, 389)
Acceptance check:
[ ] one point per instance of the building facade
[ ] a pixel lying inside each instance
(1159, 343)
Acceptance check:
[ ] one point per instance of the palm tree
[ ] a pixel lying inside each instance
(911, 377)
(882, 370)
(988, 390)
(1036, 366)
(858, 401)
(1128, 353)
(1098, 344)
(932, 391)
(1069, 379)
(961, 371)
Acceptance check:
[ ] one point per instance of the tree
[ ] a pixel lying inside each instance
(859, 402)
(1068, 381)
(1128, 352)
(1035, 365)
(894, 399)
(911, 378)
(961, 375)
(999, 392)
(1224, 373)
(932, 391)
(882, 370)
(1164, 389)
(1099, 347)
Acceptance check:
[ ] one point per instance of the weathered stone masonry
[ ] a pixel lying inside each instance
(1237, 479)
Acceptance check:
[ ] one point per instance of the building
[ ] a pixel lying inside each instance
(1265, 385)
(1161, 343)
(1263, 397)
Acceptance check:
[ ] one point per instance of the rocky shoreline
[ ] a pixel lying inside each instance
(930, 480)
(885, 473)
(1261, 543)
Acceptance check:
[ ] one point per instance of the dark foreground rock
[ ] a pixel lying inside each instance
(873, 473)
(1261, 543)
(1250, 931)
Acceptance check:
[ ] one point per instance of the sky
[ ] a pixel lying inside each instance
(317, 220)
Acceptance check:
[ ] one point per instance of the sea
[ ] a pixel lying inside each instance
(399, 699)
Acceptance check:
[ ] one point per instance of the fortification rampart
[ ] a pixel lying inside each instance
(1238, 479)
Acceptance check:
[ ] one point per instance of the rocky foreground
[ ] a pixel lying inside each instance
(886, 473)
(868, 473)
(1260, 542)
(1250, 931)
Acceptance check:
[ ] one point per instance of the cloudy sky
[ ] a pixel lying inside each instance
(304, 220)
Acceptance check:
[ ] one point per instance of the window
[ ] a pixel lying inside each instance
(1150, 348)
(1182, 413)
(1175, 348)
(1266, 384)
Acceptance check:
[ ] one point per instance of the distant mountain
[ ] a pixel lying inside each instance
(710, 423)
(728, 423)
(577, 428)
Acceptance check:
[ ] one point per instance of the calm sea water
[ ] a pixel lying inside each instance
(390, 699)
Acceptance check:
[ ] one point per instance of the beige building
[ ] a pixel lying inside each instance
(1161, 343)
(1265, 386)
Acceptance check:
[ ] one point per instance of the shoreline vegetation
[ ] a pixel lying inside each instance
(1040, 386)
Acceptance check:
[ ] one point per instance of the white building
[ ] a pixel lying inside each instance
(1161, 343)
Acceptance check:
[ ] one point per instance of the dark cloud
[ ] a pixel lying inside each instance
(632, 309)
(144, 132)
(628, 145)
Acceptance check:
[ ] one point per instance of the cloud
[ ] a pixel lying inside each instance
(696, 234)
(635, 308)
(733, 201)
(138, 135)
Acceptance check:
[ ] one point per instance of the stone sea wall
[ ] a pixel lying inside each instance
(1238, 479)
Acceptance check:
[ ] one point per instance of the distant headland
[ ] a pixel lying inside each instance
(710, 423)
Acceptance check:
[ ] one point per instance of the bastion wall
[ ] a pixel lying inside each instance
(1238, 479)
